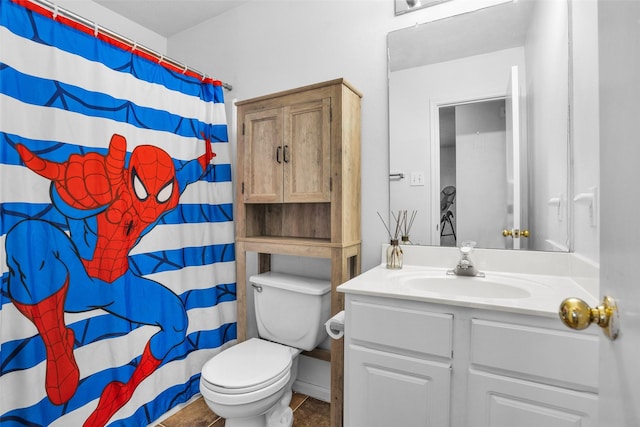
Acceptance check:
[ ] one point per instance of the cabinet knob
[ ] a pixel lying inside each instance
(576, 314)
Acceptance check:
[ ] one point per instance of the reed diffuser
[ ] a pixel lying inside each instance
(407, 224)
(394, 251)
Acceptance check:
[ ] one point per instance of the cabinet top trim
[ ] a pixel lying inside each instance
(303, 88)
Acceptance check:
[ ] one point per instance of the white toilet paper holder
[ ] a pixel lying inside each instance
(336, 326)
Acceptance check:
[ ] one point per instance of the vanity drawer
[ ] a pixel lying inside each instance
(402, 327)
(545, 355)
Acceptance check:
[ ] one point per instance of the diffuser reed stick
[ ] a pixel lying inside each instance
(399, 221)
(407, 224)
(385, 226)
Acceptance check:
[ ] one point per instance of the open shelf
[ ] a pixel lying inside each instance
(301, 220)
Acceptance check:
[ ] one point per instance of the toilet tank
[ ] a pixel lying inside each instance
(291, 309)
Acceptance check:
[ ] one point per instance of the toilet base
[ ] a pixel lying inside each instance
(280, 415)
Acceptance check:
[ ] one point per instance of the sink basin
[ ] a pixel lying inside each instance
(478, 287)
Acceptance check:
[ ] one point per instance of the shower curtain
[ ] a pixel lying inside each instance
(116, 231)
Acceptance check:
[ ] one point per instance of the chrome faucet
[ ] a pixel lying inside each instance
(465, 266)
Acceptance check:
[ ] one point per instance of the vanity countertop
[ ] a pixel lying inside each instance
(547, 291)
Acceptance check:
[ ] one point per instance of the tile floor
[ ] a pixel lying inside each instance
(307, 412)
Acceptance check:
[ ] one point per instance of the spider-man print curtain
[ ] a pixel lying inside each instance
(116, 231)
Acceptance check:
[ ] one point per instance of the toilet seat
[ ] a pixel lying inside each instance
(247, 367)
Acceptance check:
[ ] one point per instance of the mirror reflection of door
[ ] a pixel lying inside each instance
(473, 159)
(517, 208)
(448, 205)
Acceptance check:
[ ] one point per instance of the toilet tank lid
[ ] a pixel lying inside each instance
(291, 282)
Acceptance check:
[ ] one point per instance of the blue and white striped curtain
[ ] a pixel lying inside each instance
(116, 231)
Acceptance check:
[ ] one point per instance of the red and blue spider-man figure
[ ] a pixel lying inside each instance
(109, 206)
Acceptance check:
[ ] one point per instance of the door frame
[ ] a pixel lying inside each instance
(434, 113)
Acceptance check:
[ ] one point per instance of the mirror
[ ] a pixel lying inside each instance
(479, 106)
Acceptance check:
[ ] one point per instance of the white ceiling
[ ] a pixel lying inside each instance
(486, 30)
(169, 17)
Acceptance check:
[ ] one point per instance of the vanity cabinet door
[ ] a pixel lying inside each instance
(524, 374)
(386, 389)
(497, 401)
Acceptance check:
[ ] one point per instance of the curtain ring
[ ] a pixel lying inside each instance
(55, 11)
(134, 47)
(161, 59)
(96, 29)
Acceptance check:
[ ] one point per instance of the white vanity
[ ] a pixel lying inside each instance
(426, 349)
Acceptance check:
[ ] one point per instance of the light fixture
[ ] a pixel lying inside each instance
(404, 6)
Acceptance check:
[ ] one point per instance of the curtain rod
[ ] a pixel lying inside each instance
(178, 66)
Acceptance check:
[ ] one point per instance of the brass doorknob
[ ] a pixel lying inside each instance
(515, 233)
(576, 314)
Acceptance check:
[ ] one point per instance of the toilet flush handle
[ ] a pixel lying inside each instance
(257, 287)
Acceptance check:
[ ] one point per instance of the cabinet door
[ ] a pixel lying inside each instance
(496, 401)
(306, 151)
(384, 389)
(263, 156)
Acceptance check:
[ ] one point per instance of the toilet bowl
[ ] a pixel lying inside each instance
(249, 384)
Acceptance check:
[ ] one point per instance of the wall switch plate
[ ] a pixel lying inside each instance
(417, 178)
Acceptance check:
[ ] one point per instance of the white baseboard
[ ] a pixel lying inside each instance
(312, 390)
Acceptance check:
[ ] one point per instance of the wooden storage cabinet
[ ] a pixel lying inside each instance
(298, 162)
(287, 153)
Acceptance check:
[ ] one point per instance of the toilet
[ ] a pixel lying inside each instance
(249, 384)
